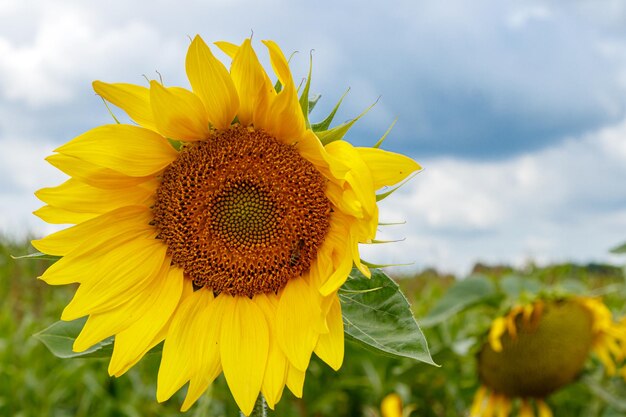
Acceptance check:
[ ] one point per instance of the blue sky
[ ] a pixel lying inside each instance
(517, 110)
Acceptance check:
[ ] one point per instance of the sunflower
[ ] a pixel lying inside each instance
(220, 223)
(538, 348)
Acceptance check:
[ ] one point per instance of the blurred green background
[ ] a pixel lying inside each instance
(33, 382)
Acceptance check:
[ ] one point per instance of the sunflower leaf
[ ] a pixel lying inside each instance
(459, 297)
(377, 314)
(619, 249)
(59, 338)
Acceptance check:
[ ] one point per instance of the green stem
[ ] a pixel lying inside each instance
(259, 410)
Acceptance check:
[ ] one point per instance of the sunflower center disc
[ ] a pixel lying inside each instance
(242, 213)
(541, 358)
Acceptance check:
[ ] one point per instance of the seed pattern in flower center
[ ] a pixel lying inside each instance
(242, 213)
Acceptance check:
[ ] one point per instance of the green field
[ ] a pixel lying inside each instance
(33, 382)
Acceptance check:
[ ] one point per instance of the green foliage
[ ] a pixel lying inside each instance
(33, 382)
(59, 338)
(376, 313)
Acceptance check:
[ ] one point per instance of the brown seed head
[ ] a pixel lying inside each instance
(242, 213)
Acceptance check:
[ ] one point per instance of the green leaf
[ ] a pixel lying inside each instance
(619, 249)
(60, 336)
(459, 297)
(376, 314)
(37, 255)
(515, 286)
(325, 124)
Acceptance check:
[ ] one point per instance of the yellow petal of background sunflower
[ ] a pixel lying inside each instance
(133, 99)
(253, 85)
(330, 347)
(297, 322)
(159, 299)
(117, 277)
(127, 149)
(178, 113)
(77, 196)
(94, 175)
(387, 168)
(211, 82)
(244, 348)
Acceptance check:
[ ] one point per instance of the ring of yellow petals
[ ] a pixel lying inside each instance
(128, 286)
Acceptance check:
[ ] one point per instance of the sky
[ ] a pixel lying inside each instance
(515, 109)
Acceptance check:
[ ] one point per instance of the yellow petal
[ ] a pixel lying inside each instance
(276, 368)
(244, 348)
(131, 150)
(295, 381)
(133, 99)
(284, 119)
(478, 403)
(279, 62)
(495, 333)
(228, 48)
(330, 345)
(178, 113)
(117, 277)
(55, 215)
(297, 321)
(79, 197)
(187, 291)
(391, 406)
(544, 409)
(526, 409)
(340, 251)
(94, 250)
(95, 231)
(207, 328)
(253, 85)
(158, 301)
(109, 323)
(178, 361)
(387, 168)
(211, 82)
(94, 175)
(358, 197)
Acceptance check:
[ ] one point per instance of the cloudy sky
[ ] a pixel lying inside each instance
(516, 109)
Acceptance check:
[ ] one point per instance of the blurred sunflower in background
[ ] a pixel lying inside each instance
(223, 222)
(540, 347)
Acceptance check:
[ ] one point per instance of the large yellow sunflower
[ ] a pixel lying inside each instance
(538, 348)
(220, 223)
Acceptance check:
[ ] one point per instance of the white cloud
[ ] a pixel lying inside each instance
(71, 45)
(562, 203)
